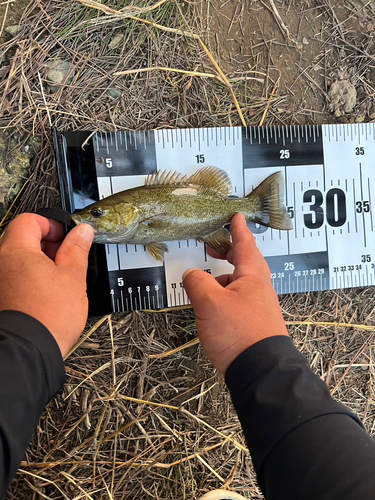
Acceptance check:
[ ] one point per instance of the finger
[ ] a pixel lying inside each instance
(202, 289)
(26, 230)
(224, 279)
(214, 254)
(50, 248)
(243, 249)
(74, 250)
(56, 231)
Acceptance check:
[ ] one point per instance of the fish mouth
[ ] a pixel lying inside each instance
(77, 220)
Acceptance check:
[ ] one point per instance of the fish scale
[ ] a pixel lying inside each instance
(329, 185)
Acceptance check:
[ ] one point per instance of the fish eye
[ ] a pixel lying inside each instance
(97, 213)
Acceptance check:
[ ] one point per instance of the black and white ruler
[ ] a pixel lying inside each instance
(329, 175)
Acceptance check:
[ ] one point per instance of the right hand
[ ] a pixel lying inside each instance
(235, 311)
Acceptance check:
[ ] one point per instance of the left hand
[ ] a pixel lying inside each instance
(43, 274)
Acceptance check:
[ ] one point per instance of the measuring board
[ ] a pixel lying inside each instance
(329, 175)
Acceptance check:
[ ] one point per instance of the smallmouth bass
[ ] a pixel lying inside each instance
(172, 206)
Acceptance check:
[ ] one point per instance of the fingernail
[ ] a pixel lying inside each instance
(86, 232)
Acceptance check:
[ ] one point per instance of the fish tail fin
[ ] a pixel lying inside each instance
(271, 210)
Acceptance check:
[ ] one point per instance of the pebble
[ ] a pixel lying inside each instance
(116, 41)
(342, 96)
(114, 93)
(13, 30)
(57, 72)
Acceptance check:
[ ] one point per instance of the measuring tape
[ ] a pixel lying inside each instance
(329, 174)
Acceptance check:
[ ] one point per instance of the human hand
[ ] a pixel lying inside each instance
(235, 311)
(44, 275)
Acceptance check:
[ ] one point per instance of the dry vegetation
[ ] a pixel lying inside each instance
(130, 422)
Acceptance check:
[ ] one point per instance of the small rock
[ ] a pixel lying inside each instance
(342, 96)
(182, 122)
(13, 30)
(305, 41)
(57, 72)
(116, 41)
(114, 93)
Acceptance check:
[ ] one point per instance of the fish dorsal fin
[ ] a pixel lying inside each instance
(165, 177)
(208, 177)
(212, 178)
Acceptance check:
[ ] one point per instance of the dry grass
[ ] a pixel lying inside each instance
(142, 413)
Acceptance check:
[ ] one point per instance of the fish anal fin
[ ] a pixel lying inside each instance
(219, 240)
(272, 211)
(212, 178)
(157, 250)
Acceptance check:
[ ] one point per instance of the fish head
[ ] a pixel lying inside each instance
(111, 222)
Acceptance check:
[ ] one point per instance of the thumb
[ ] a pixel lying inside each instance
(202, 289)
(74, 250)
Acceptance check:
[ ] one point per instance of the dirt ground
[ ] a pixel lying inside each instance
(287, 62)
(302, 57)
(11, 13)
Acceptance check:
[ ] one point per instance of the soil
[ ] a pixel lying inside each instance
(14, 14)
(246, 36)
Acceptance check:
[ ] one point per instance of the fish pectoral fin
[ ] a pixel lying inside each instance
(155, 221)
(219, 240)
(157, 250)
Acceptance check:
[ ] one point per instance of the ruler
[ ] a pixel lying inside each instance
(329, 174)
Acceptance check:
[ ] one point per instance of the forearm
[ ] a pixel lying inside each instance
(303, 443)
(31, 373)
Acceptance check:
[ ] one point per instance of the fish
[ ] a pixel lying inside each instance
(171, 206)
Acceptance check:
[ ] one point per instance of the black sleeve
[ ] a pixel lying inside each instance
(31, 374)
(304, 445)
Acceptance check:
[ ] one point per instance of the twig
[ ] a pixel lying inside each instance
(44, 99)
(269, 102)
(112, 351)
(282, 25)
(332, 323)
(4, 19)
(177, 349)
(86, 336)
(127, 11)
(172, 70)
